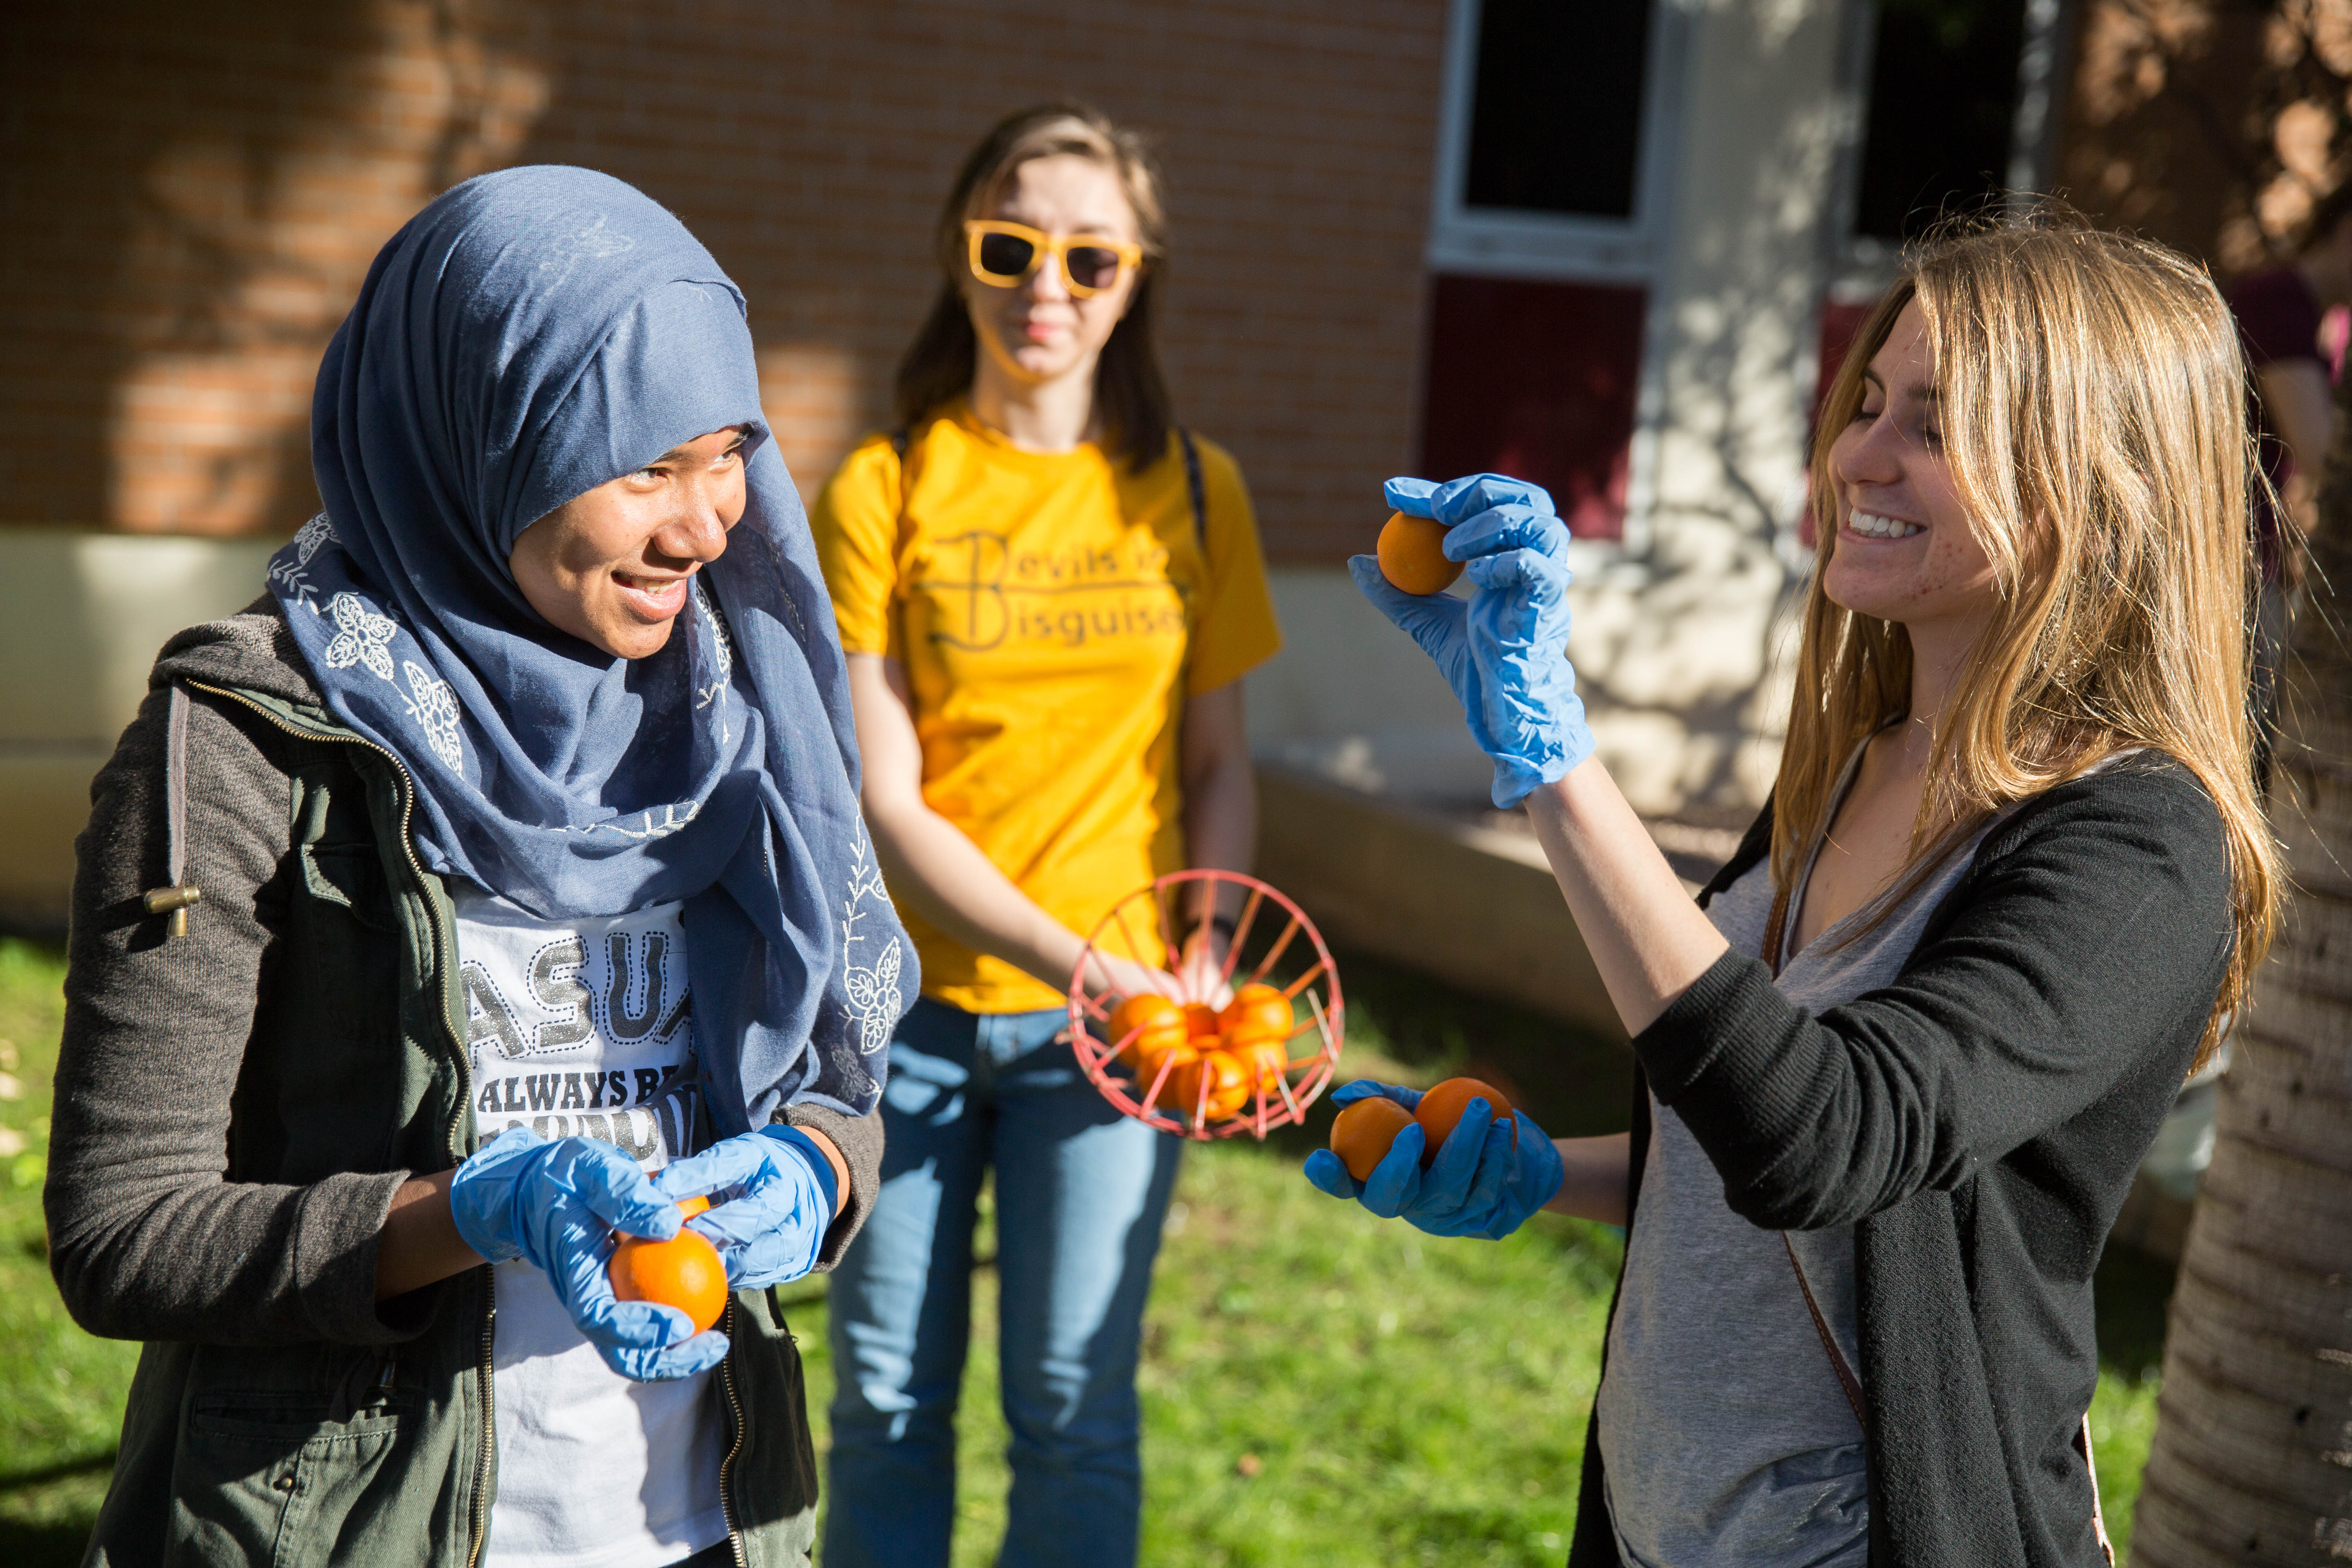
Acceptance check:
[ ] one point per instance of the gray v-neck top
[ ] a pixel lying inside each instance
(1728, 1437)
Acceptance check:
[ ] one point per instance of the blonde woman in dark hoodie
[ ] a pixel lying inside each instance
(1900, 1062)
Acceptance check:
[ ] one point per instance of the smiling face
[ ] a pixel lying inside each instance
(1906, 550)
(611, 567)
(1037, 332)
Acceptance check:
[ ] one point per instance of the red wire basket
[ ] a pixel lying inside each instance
(1276, 1100)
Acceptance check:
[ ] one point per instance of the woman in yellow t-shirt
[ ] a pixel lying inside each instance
(1048, 594)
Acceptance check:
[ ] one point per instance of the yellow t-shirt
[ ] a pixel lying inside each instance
(1053, 612)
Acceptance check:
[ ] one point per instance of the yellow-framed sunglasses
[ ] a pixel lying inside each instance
(1006, 255)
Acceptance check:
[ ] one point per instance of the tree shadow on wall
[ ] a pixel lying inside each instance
(192, 207)
(2170, 116)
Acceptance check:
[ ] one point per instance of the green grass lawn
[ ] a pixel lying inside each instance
(1318, 1387)
(60, 1390)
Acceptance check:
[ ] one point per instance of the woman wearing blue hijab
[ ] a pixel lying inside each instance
(495, 880)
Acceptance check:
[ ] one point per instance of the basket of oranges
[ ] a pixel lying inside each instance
(1221, 1053)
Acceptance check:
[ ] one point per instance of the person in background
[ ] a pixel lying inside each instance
(1049, 593)
(2279, 311)
(512, 837)
(1899, 1062)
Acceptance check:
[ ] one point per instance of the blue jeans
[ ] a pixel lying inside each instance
(1080, 1194)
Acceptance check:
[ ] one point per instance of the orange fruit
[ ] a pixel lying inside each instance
(1442, 1107)
(1265, 1060)
(1162, 1023)
(1256, 1012)
(1182, 1054)
(698, 1204)
(1199, 1020)
(1255, 1027)
(684, 1272)
(1361, 1133)
(1412, 556)
(1229, 1086)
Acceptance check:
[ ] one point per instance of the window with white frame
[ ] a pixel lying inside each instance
(1956, 100)
(1548, 231)
(1556, 138)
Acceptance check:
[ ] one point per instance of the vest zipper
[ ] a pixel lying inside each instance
(486, 1367)
(735, 1409)
(486, 1378)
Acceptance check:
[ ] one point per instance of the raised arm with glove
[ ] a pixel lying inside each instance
(1505, 650)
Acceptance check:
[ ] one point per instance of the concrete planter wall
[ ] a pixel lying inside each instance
(1474, 906)
(81, 619)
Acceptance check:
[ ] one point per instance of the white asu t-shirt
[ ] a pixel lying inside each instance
(580, 1028)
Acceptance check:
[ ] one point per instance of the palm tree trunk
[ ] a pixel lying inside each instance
(2252, 1459)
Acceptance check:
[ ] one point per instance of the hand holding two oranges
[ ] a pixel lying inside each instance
(1367, 1126)
(1455, 1161)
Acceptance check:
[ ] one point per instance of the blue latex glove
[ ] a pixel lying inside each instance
(771, 1229)
(1482, 1182)
(555, 1206)
(1504, 651)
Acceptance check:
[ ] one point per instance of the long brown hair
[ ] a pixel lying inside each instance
(2093, 404)
(1130, 395)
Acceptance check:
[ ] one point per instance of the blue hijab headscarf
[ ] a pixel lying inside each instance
(528, 336)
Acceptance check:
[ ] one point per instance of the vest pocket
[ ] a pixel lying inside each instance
(268, 1478)
(351, 876)
(774, 1472)
(335, 844)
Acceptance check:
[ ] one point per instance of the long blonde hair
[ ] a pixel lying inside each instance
(2092, 403)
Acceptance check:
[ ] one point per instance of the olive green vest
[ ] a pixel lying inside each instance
(333, 1454)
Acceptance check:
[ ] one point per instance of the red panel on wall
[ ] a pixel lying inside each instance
(1537, 381)
(1839, 323)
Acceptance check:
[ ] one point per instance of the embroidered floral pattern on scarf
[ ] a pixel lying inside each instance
(366, 637)
(873, 988)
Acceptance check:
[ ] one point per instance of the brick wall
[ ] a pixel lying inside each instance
(2206, 124)
(191, 196)
(2161, 132)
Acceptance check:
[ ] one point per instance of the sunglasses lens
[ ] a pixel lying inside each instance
(1005, 255)
(1092, 266)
